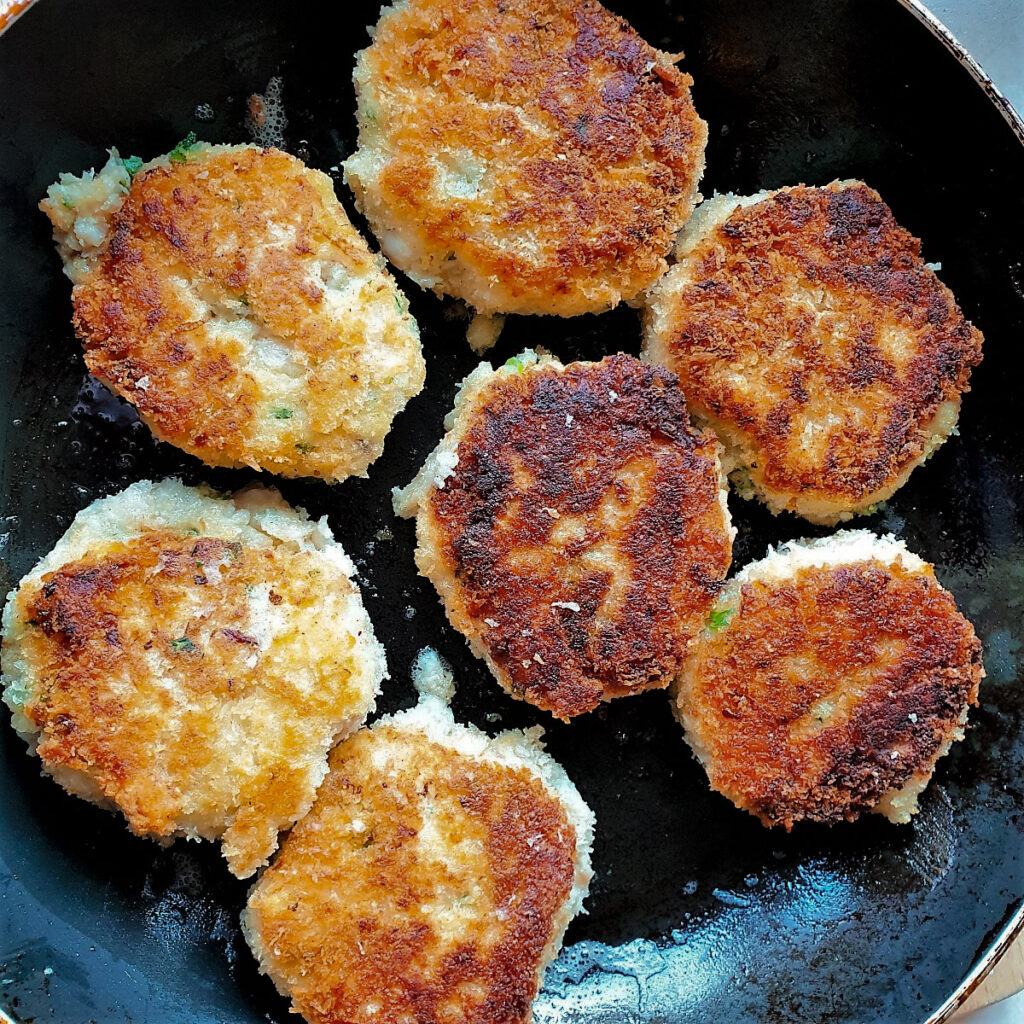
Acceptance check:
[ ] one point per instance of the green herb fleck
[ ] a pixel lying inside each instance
(720, 619)
(243, 299)
(183, 644)
(400, 304)
(282, 413)
(132, 165)
(743, 483)
(304, 449)
(515, 363)
(67, 204)
(179, 154)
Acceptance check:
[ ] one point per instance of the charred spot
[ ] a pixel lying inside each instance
(70, 604)
(184, 199)
(208, 549)
(777, 422)
(238, 637)
(177, 353)
(619, 89)
(121, 251)
(855, 211)
(64, 724)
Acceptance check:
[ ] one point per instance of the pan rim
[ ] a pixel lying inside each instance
(1015, 926)
(981, 970)
(1013, 117)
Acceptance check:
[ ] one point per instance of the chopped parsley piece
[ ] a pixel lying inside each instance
(304, 449)
(179, 154)
(399, 304)
(282, 413)
(183, 644)
(515, 363)
(720, 619)
(67, 204)
(243, 299)
(132, 165)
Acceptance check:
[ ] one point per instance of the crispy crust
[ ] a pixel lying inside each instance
(532, 157)
(148, 675)
(807, 331)
(424, 885)
(830, 689)
(582, 536)
(232, 284)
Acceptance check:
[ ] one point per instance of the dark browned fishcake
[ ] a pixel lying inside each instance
(807, 331)
(528, 157)
(581, 535)
(831, 678)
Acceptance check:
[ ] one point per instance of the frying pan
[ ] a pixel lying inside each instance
(697, 913)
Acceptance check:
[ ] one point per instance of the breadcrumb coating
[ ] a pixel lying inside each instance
(224, 293)
(189, 660)
(525, 157)
(807, 331)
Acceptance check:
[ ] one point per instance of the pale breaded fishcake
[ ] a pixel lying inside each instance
(527, 157)
(224, 293)
(433, 879)
(809, 335)
(831, 677)
(189, 660)
(575, 527)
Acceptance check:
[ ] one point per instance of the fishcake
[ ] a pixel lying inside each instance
(223, 292)
(189, 660)
(524, 157)
(574, 525)
(433, 879)
(831, 677)
(809, 334)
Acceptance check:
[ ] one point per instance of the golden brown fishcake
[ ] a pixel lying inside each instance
(194, 680)
(430, 882)
(831, 678)
(582, 534)
(528, 157)
(226, 295)
(809, 334)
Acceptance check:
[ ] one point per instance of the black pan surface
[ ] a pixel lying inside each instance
(697, 913)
